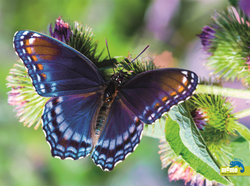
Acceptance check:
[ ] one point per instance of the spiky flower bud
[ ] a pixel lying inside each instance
(227, 40)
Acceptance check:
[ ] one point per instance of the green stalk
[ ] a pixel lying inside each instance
(228, 92)
(242, 113)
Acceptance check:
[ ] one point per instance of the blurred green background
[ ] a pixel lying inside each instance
(128, 25)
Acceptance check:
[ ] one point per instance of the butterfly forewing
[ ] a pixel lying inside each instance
(119, 138)
(55, 68)
(67, 123)
(152, 93)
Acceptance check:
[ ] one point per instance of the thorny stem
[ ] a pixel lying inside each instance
(228, 92)
(243, 113)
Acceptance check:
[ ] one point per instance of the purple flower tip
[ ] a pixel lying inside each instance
(15, 98)
(206, 37)
(199, 119)
(61, 31)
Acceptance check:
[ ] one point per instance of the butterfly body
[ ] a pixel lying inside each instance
(110, 92)
(87, 114)
(109, 95)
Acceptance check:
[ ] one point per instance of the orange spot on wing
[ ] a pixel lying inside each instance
(40, 66)
(26, 42)
(34, 58)
(173, 93)
(156, 105)
(181, 88)
(164, 99)
(29, 50)
(43, 75)
(186, 83)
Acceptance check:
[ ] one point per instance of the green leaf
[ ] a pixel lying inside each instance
(241, 150)
(185, 140)
(243, 130)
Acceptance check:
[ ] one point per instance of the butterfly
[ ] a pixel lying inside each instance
(88, 114)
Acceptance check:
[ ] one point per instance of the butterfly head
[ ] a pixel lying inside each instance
(110, 92)
(112, 87)
(118, 78)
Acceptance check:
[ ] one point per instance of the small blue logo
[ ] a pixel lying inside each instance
(237, 162)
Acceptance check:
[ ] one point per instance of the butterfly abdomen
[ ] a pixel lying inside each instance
(102, 117)
(108, 98)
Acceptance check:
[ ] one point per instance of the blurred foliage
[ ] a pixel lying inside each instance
(234, 2)
(24, 157)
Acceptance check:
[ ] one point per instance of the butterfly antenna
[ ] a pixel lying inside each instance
(109, 55)
(135, 58)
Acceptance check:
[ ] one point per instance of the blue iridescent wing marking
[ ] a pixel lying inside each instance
(119, 138)
(152, 93)
(68, 124)
(55, 68)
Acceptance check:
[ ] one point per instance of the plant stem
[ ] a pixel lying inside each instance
(228, 92)
(243, 113)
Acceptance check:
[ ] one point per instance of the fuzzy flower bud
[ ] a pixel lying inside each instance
(227, 40)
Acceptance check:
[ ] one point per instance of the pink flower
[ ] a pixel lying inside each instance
(177, 172)
(239, 19)
(16, 99)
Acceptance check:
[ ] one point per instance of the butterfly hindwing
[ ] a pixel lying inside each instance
(55, 68)
(67, 124)
(119, 138)
(154, 92)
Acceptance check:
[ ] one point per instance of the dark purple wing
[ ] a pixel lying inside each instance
(55, 68)
(67, 124)
(119, 138)
(148, 95)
